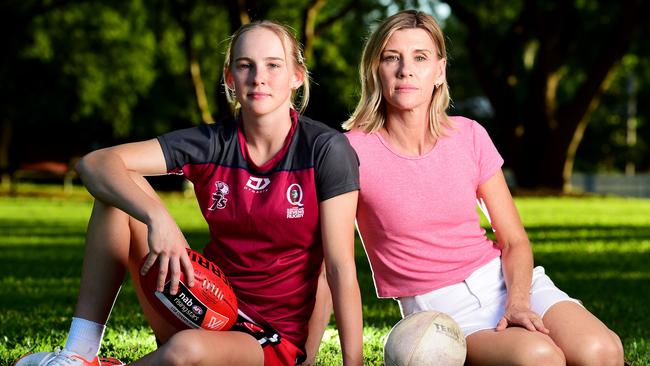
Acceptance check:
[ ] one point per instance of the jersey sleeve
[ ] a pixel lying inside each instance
(182, 148)
(337, 168)
(488, 159)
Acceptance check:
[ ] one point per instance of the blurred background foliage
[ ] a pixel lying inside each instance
(560, 85)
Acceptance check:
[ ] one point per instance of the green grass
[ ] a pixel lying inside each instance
(596, 249)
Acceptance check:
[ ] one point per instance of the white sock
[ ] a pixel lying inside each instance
(85, 338)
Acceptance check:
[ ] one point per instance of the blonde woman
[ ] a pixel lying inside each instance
(421, 173)
(279, 193)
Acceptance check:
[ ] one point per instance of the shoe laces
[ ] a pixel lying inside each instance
(67, 358)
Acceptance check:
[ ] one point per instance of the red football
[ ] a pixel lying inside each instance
(209, 304)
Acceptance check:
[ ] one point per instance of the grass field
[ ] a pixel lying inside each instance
(596, 249)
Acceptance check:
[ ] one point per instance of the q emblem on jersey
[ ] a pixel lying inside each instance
(219, 199)
(294, 196)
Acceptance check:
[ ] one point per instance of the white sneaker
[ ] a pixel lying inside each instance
(63, 358)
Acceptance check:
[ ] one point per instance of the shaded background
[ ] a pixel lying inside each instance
(562, 86)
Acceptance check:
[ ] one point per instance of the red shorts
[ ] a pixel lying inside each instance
(277, 350)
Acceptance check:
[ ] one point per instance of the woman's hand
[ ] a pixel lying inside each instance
(167, 246)
(523, 316)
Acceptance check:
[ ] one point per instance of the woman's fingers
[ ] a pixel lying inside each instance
(539, 325)
(163, 264)
(503, 324)
(148, 263)
(526, 319)
(188, 269)
(175, 275)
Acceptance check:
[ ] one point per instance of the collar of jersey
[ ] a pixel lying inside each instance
(278, 156)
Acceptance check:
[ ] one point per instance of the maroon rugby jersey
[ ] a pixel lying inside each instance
(264, 221)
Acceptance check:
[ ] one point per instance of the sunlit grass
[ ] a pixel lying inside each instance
(597, 249)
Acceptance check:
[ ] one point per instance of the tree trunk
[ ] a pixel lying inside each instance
(182, 11)
(199, 90)
(311, 29)
(309, 26)
(237, 16)
(5, 145)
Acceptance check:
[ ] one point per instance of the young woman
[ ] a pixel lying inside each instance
(421, 173)
(279, 193)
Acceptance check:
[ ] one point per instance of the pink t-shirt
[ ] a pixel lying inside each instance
(417, 215)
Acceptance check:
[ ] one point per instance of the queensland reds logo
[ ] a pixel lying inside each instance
(294, 196)
(219, 199)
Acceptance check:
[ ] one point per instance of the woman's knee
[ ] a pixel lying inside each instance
(540, 352)
(532, 351)
(183, 348)
(604, 349)
(519, 347)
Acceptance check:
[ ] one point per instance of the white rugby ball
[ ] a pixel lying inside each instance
(425, 338)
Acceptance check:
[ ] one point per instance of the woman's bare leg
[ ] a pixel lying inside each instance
(115, 242)
(201, 347)
(512, 346)
(583, 338)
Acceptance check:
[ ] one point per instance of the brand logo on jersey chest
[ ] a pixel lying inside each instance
(258, 185)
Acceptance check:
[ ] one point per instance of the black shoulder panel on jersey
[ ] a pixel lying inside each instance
(335, 162)
(199, 145)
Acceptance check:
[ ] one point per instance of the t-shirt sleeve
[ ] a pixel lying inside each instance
(337, 168)
(187, 146)
(487, 156)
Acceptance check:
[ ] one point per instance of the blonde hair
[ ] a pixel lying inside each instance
(370, 113)
(291, 47)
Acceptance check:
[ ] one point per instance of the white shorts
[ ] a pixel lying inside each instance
(478, 303)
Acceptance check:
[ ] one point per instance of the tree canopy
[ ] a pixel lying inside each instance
(77, 75)
(544, 67)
